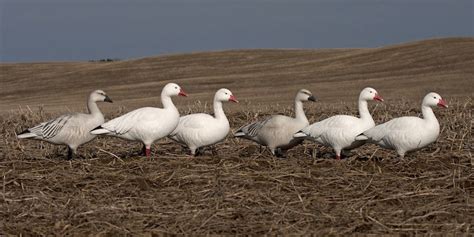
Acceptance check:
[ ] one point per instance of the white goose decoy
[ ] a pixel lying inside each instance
(406, 134)
(200, 130)
(340, 131)
(146, 124)
(71, 130)
(276, 132)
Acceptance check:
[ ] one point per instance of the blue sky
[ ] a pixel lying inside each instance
(74, 30)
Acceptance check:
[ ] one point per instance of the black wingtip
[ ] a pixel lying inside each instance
(98, 127)
(25, 131)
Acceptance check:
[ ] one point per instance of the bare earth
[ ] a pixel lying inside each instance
(234, 188)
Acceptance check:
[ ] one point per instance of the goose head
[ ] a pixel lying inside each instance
(433, 99)
(99, 95)
(173, 89)
(305, 95)
(225, 95)
(370, 93)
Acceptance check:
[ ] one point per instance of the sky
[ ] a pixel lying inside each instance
(81, 30)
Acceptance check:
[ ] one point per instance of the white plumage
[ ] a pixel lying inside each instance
(200, 130)
(406, 134)
(146, 124)
(70, 129)
(340, 131)
(276, 132)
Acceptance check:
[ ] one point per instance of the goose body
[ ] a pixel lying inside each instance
(276, 132)
(200, 130)
(340, 131)
(71, 130)
(407, 134)
(146, 124)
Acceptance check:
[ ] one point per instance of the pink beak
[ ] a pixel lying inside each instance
(442, 103)
(378, 97)
(182, 93)
(233, 99)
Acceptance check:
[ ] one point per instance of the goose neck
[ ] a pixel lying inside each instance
(167, 102)
(364, 110)
(218, 110)
(93, 108)
(299, 112)
(428, 114)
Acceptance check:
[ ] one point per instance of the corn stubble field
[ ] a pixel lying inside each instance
(236, 188)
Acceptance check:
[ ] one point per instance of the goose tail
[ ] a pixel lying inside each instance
(300, 134)
(99, 130)
(239, 134)
(361, 137)
(26, 134)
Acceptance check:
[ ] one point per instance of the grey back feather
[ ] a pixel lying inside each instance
(253, 129)
(51, 128)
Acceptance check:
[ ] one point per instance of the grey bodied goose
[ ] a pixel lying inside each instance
(73, 129)
(276, 132)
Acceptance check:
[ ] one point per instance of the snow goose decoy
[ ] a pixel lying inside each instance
(146, 124)
(200, 130)
(406, 134)
(71, 130)
(340, 131)
(276, 132)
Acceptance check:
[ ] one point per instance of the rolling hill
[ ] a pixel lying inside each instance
(257, 76)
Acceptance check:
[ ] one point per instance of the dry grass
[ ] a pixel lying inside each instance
(234, 188)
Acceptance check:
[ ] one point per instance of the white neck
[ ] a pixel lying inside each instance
(92, 107)
(166, 101)
(299, 112)
(364, 111)
(428, 114)
(218, 111)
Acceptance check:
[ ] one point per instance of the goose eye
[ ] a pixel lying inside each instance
(176, 88)
(371, 92)
(434, 97)
(226, 93)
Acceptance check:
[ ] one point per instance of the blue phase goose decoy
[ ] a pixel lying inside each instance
(276, 132)
(73, 129)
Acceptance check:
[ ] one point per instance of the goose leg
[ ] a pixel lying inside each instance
(147, 150)
(279, 153)
(70, 153)
(272, 150)
(401, 154)
(193, 151)
(143, 152)
(338, 153)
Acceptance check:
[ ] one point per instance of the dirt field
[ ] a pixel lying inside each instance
(234, 188)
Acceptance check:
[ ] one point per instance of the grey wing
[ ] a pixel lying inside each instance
(51, 128)
(253, 129)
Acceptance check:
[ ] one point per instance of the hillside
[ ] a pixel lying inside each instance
(235, 187)
(268, 76)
